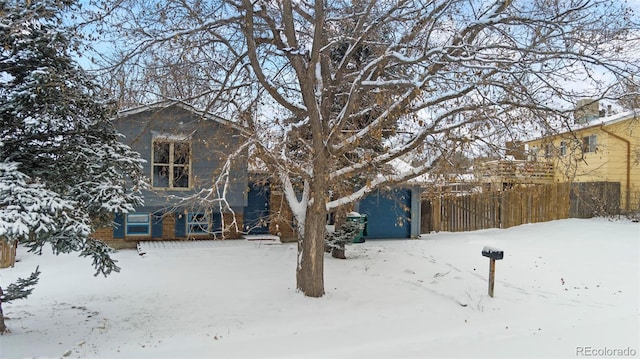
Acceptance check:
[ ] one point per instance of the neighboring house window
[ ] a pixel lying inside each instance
(171, 160)
(138, 224)
(589, 143)
(563, 148)
(548, 150)
(198, 223)
(533, 155)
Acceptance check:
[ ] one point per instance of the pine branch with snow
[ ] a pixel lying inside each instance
(21, 289)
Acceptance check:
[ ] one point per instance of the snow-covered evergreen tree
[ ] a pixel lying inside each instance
(63, 170)
(335, 242)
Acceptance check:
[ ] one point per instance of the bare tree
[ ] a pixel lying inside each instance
(321, 84)
(629, 94)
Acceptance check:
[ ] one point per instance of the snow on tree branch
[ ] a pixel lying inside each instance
(21, 289)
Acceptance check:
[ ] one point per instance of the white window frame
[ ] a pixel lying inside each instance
(589, 143)
(171, 165)
(563, 148)
(137, 220)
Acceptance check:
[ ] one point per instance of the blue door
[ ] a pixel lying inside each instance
(256, 213)
(388, 213)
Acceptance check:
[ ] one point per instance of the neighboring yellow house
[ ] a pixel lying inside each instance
(599, 149)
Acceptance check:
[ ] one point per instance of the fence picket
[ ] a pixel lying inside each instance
(508, 208)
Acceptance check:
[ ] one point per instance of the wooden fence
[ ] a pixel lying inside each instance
(590, 199)
(513, 207)
(7, 253)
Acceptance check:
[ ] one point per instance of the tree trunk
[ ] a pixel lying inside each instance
(338, 253)
(310, 272)
(3, 327)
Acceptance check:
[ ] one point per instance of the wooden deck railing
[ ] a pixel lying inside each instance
(516, 171)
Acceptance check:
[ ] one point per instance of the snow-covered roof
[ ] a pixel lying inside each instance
(600, 121)
(611, 119)
(169, 103)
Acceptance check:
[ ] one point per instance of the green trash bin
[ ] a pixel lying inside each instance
(360, 219)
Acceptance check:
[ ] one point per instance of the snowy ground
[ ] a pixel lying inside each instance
(565, 289)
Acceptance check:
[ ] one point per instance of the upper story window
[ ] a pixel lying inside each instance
(548, 150)
(563, 148)
(589, 143)
(171, 162)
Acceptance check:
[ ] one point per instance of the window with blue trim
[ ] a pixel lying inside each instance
(138, 224)
(198, 223)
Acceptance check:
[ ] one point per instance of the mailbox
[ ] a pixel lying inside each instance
(492, 253)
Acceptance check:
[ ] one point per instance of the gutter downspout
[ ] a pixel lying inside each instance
(628, 192)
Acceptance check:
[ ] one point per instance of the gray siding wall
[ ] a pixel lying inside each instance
(211, 143)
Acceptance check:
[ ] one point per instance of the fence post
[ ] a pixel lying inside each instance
(7, 253)
(436, 216)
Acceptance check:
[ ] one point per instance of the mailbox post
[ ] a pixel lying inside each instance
(493, 254)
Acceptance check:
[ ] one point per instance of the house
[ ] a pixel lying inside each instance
(392, 212)
(603, 148)
(185, 151)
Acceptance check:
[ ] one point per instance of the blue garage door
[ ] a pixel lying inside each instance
(388, 214)
(256, 213)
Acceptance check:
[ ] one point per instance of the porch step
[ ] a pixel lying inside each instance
(153, 246)
(263, 238)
